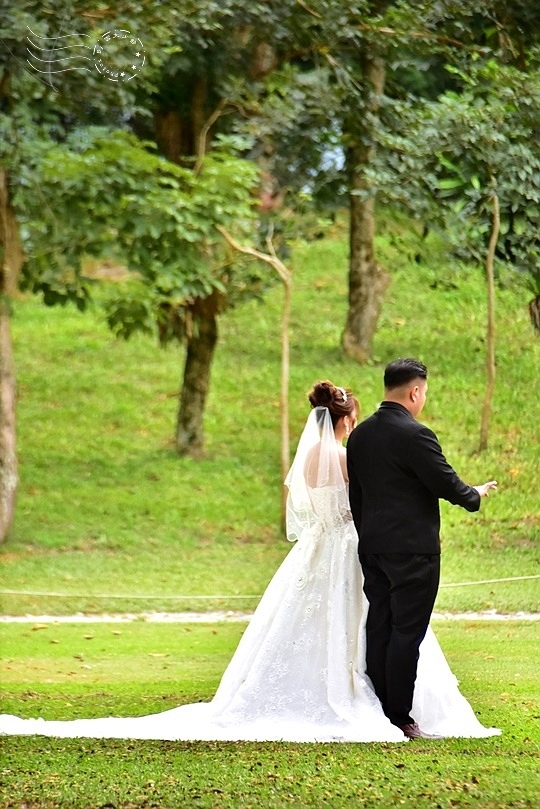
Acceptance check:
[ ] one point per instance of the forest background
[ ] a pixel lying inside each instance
(244, 117)
(382, 159)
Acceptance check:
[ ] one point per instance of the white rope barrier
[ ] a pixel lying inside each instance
(118, 595)
(490, 581)
(229, 617)
(163, 597)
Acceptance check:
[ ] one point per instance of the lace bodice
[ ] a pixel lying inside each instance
(331, 507)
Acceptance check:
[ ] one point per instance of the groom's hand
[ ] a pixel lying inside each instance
(485, 488)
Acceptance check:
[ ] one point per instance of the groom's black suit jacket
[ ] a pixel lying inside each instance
(397, 474)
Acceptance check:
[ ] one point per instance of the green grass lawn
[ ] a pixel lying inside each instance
(110, 519)
(76, 670)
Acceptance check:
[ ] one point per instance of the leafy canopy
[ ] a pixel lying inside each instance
(116, 197)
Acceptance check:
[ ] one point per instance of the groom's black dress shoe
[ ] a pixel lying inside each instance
(412, 731)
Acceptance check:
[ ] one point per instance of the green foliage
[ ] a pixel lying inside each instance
(156, 217)
(39, 105)
(299, 90)
(461, 149)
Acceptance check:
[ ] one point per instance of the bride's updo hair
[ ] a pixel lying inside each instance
(339, 401)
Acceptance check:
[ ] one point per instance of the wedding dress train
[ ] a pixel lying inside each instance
(297, 674)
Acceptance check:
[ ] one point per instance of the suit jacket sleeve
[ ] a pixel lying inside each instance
(436, 473)
(355, 493)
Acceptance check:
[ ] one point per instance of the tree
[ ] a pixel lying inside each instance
(360, 59)
(11, 260)
(284, 273)
(367, 279)
(163, 230)
(335, 70)
(471, 163)
(323, 96)
(38, 110)
(377, 48)
(39, 103)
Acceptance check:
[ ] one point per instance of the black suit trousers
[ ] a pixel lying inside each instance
(401, 590)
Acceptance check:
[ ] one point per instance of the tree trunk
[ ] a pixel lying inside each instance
(171, 134)
(8, 452)
(367, 280)
(177, 134)
(490, 335)
(285, 373)
(11, 261)
(534, 313)
(201, 343)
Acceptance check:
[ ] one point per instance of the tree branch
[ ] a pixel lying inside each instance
(417, 34)
(272, 259)
(285, 275)
(201, 141)
(490, 331)
(309, 10)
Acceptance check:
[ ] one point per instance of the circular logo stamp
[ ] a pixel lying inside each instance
(118, 55)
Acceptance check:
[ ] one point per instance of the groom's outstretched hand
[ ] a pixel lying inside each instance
(485, 488)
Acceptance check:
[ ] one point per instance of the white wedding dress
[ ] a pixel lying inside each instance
(298, 672)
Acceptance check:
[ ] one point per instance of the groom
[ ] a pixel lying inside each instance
(397, 474)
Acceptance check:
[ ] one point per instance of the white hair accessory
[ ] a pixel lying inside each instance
(343, 393)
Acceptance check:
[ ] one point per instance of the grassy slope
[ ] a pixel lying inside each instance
(106, 507)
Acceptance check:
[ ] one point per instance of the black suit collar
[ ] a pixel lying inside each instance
(395, 406)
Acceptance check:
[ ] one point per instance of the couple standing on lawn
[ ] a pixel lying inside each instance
(337, 650)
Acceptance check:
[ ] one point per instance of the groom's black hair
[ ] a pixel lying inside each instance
(401, 371)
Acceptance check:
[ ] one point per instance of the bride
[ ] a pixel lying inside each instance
(298, 672)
